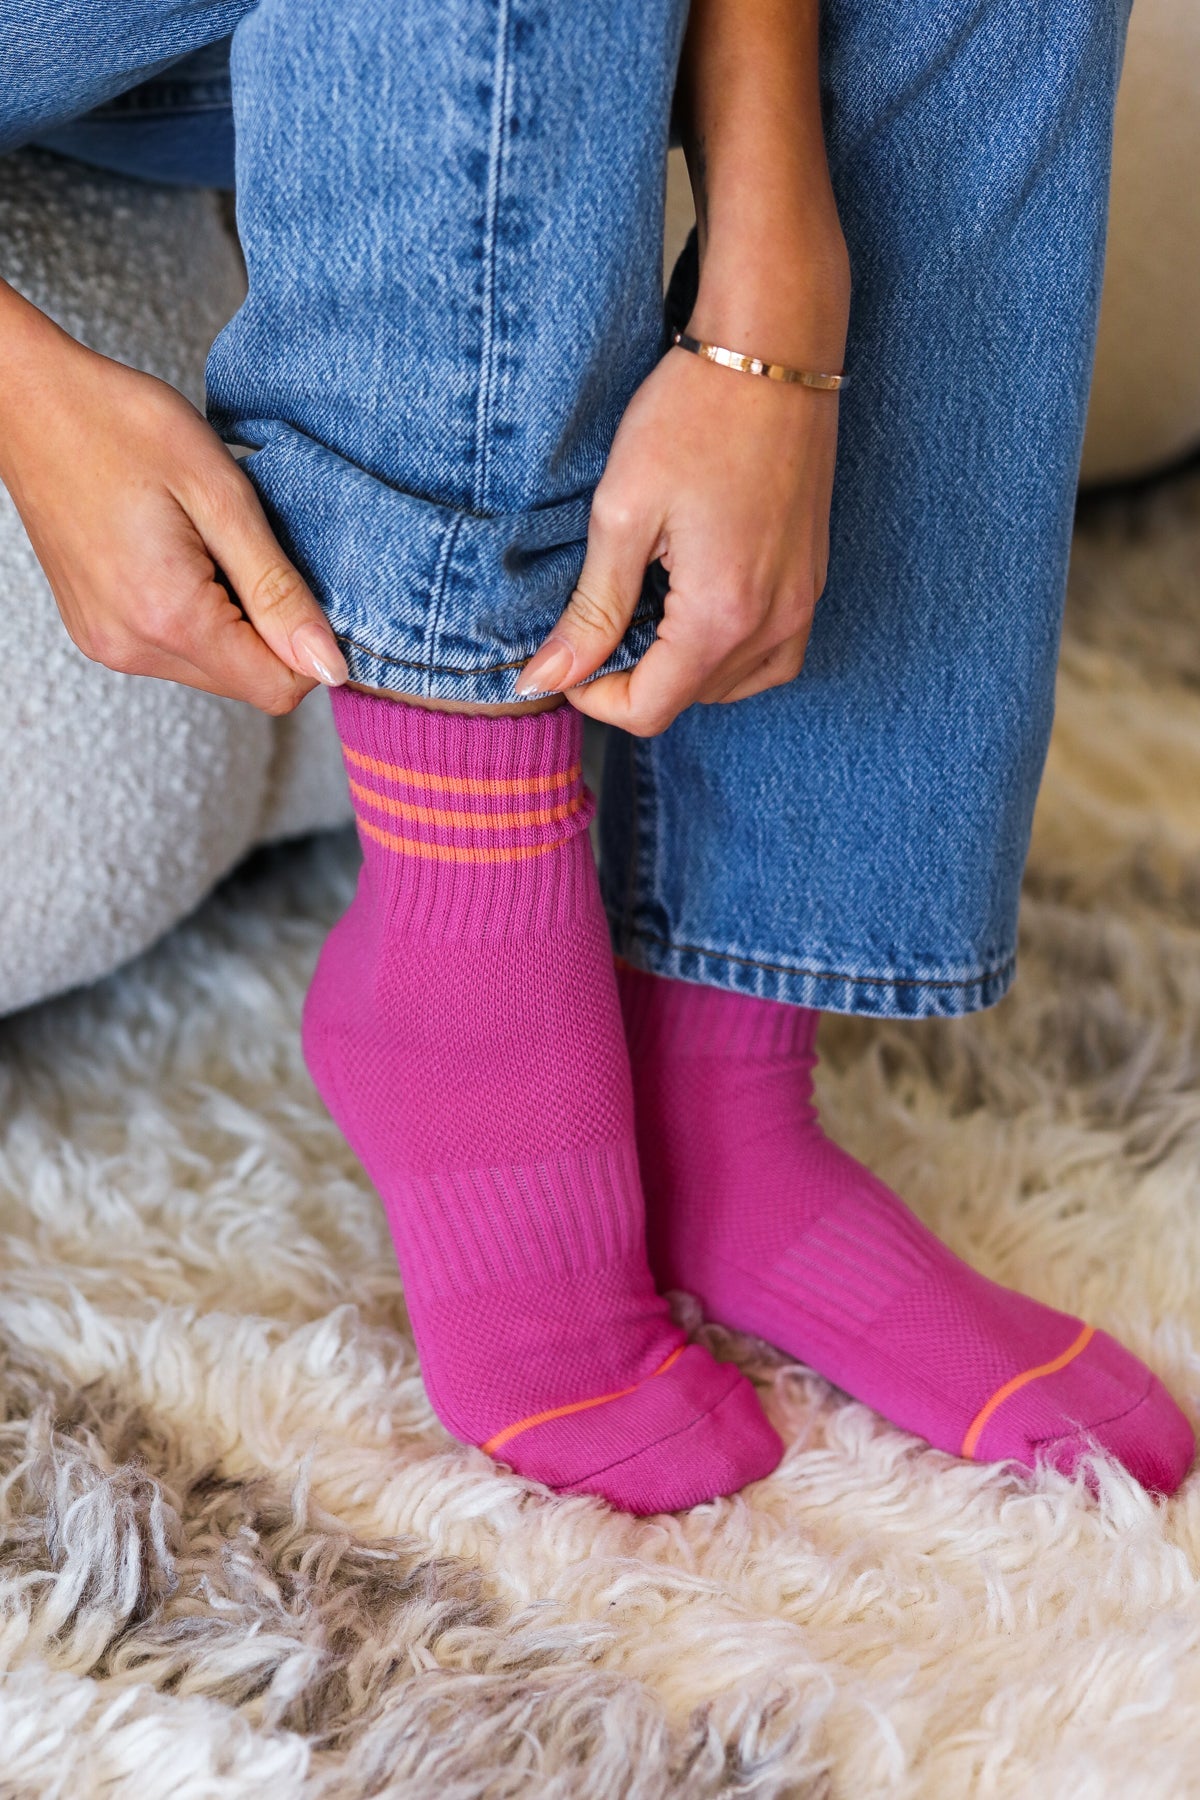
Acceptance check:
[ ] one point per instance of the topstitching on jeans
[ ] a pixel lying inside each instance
(404, 662)
(437, 602)
(497, 138)
(176, 103)
(642, 617)
(885, 981)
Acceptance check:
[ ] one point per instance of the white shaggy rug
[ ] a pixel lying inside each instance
(239, 1557)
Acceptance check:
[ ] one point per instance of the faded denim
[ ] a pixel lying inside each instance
(856, 840)
(452, 220)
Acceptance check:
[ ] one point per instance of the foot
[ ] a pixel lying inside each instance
(780, 1233)
(464, 1028)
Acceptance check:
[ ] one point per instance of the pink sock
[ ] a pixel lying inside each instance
(780, 1233)
(464, 1028)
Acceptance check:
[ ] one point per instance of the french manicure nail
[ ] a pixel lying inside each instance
(547, 668)
(318, 651)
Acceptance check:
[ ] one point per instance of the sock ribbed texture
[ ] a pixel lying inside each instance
(780, 1233)
(464, 1028)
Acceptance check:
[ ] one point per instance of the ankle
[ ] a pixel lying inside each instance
(690, 1020)
(478, 709)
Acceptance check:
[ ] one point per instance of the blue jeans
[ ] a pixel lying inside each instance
(452, 220)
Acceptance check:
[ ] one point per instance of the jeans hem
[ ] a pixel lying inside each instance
(881, 996)
(491, 684)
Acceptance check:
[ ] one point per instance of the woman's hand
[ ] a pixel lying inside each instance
(725, 478)
(133, 505)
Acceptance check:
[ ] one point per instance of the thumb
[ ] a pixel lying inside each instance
(270, 591)
(619, 548)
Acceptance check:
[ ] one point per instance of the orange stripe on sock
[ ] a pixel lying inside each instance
(455, 852)
(561, 1412)
(436, 815)
(976, 1427)
(454, 784)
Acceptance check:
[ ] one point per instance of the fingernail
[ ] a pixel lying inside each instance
(547, 668)
(316, 648)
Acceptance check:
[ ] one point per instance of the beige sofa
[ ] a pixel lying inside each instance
(1145, 405)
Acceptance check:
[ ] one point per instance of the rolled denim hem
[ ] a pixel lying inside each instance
(425, 599)
(880, 995)
(490, 684)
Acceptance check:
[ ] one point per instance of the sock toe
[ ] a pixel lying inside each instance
(1152, 1439)
(720, 1452)
(1106, 1400)
(679, 1439)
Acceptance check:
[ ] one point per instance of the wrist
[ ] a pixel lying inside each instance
(32, 346)
(25, 331)
(792, 307)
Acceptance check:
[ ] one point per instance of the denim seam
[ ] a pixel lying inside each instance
(441, 577)
(486, 378)
(501, 77)
(160, 94)
(885, 981)
(404, 662)
(156, 109)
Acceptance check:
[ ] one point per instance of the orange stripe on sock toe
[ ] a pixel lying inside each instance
(976, 1428)
(560, 1412)
(464, 784)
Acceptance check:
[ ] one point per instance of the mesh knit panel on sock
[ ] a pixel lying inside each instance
(465, 1030)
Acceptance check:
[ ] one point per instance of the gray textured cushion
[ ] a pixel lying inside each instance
(123, 800)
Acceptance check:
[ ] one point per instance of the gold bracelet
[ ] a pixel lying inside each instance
(754, 365)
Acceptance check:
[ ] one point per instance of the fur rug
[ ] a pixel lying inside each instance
(241, 1558)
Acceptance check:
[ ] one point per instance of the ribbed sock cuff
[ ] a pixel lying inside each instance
(461, 746)
(687, 1018)
(476, 825)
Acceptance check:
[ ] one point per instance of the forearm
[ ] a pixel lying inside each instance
(24, 333)
(32, 347)
(774, 276)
